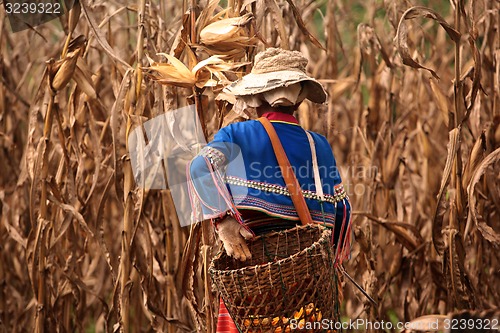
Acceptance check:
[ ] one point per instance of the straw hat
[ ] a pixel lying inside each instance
(276, 68)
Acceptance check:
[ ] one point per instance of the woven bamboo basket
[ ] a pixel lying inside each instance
(290, 282)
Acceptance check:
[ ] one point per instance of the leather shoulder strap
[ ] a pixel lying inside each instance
(292, 184)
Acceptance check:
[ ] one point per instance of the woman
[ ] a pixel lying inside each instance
(237, 181)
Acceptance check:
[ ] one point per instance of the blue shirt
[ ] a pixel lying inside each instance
(239, 170)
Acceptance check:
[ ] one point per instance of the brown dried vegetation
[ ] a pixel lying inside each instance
(413, 118)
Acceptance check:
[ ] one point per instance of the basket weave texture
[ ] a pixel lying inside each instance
(290, 282)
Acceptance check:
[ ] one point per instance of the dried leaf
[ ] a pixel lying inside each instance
(476, 81)
(14, 234)
(206, 15)
(441, 101)
(100, 36)
(302, 26)
(369, 42)
(182, 38)
(340, 87)
(116, 109)
(437, 221)
(476, 156)
(486, 231)
(400, 230)
(391, 164)
(76, 214)
(83, 79)
(459, 287)
(277, 17)
(401, 38)
(74, 16)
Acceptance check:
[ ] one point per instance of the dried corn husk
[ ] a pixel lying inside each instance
(225, 30)
(61, 71)
(228, 37)
(206, 73)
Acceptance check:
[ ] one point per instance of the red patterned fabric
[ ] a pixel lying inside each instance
(225, 324)
(280, 116)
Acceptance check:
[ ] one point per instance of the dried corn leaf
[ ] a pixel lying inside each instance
(476, 156)
(74, 16)
(100, 226)
(100, 36)
(83, 79)
(278, 20)
(401, 38)
(459, 286)
(116, 110)
(340, 87)
(476, 80)
(228, 52)
(206, 15)
(182, 36)
(390, 169)
(188, 268)
(401, 231)
(441, 101)
(368, 41)
(75, 267)
(227, 12)
(437, 224)
(247, 2)
(178, 65)
(470, 316)
(488, 233)
(216, 64)
(302, 26)
(14, 234)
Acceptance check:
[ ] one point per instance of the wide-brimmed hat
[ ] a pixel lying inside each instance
(276, 68)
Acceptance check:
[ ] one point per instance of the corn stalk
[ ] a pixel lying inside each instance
(43, 219)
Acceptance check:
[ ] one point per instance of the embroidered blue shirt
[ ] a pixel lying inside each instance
(238, 169)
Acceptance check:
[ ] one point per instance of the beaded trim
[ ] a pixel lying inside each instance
(282, 211)
(215, 156)
(339, 195)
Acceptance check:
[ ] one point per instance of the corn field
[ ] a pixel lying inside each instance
(413, 117)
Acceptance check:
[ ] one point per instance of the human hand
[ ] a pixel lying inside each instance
(233, 236)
